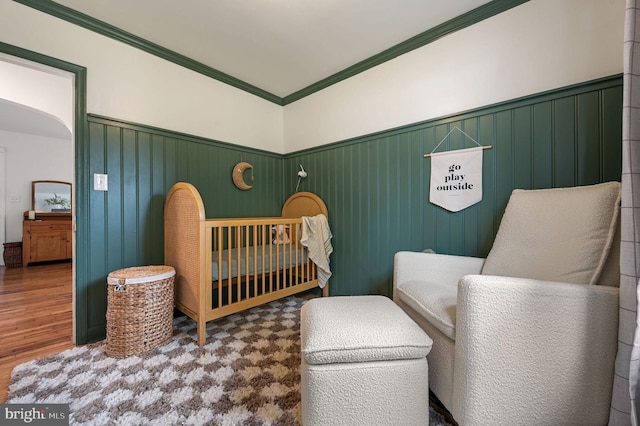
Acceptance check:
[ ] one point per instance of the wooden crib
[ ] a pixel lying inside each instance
(224, 266)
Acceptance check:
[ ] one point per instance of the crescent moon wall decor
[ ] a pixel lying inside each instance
(238, 175)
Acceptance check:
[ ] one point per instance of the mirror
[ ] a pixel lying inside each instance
(51, 196)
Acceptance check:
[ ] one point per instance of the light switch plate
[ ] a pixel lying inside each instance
(100, 182)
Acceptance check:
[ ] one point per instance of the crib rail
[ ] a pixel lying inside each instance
(254, 260)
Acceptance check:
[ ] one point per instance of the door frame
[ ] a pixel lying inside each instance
(3, 205)
(80, 221)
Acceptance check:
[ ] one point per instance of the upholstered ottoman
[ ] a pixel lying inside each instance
(364, 362)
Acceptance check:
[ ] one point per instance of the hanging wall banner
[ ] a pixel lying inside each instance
(456, 178)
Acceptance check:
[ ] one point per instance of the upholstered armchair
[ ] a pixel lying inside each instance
(528, 335)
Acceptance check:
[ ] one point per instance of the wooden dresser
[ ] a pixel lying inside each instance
(46, 238)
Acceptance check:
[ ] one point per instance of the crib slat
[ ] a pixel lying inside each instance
(271, 280)
(245, 230)
(277, 263)
(238, 256)
(254, 248)
(290, 268)
(219, 249)
(229, 264)
(265, 234)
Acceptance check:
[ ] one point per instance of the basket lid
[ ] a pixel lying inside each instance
(140, 274)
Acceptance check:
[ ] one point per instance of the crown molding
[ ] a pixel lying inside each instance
(485, 11)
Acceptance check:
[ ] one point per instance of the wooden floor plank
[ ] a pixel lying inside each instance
(36, 316)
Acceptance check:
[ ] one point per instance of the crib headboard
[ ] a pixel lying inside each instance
(304, 204)
(184, 217)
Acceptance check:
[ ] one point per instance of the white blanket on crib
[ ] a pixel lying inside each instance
(316, 237)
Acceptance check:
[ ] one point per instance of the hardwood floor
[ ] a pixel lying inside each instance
(35, 315)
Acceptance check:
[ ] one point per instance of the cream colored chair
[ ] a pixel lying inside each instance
(529, 335)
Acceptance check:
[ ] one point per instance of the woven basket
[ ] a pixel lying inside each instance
(12, 255)
(139, 310)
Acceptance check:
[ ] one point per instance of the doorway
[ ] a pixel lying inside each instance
(69, 116)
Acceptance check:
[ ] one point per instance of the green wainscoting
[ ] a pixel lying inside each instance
(126, 222)
(376, 187)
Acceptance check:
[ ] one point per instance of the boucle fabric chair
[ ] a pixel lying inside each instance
(529, 334)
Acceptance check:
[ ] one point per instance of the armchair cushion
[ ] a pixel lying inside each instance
(428, 283)
(435, 301)
(538, 242)
(378, 331)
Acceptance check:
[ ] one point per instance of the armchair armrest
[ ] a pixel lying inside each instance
(542, 352)
(443, 268)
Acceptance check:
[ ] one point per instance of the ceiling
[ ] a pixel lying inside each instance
(279, 46)
(18, 118)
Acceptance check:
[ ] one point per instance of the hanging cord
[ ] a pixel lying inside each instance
(447, 135)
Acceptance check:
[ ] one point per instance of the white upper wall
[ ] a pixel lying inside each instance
(129, 84)
(537, 46)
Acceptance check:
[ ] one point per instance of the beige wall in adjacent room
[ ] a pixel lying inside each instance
(28, 158)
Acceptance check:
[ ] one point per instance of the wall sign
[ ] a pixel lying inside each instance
(456, 176)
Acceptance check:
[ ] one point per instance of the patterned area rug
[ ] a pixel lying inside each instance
(248, 373)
